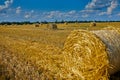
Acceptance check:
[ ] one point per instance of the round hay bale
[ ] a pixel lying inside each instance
(41, 24)
(36, 25)
(66, 23)
(89, 55)
(52, 26)
(92, 24)
(96, 53)
(111, 38)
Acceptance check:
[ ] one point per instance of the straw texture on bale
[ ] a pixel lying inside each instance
(89, 55)
(111, 38)
(112, 28)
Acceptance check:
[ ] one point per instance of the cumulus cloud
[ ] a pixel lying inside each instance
(84, 15)
(29, 14)
(7, 3)
(98, 4)
(101, 13)
(118, 14)
(103, 6)
(112, 7)
(18, 10)
(62, 15)
(54, 14)
(72, 12)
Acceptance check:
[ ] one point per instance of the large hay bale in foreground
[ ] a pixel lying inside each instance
(111, 28)
(94, 53)
(111, 38)
(89, 53)
(52, 26)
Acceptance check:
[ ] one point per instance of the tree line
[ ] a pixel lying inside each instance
(45, 22)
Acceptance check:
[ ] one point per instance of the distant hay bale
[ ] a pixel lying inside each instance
(5, 25)
(37, 25)
(66, 23)
(41, 24)
(94, 53)
(92, 24)
(52, 26)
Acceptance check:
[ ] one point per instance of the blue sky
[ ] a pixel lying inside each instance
(51, 10)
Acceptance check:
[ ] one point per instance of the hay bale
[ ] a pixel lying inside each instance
(111, 28)
(89, 55)
(96, 53)
(92, 24)
(52, 26)
(66, 23)
(36, 25)
(41, 24)
(111, 38)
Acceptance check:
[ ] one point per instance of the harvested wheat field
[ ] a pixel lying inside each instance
(36, 53)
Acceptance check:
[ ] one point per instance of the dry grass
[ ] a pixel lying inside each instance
(34, 53)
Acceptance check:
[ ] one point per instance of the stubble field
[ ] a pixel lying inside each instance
(32, 53)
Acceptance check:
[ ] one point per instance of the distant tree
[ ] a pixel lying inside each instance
(62, 21)
(44, 22)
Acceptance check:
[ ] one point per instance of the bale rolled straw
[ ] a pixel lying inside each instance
(52, 26)
(96, 53)
(111, 38)
(92, 24)
(36, 25)
(89, 53)
(111, 28)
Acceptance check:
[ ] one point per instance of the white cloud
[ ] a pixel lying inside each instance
(61, 15)
(7, 3)
(112, 7)
(51, 14)
(98, 4)
(84, 15)
(72, 12)
(118, 14)
(102, 7)
(18, 10)
(89, 11)
(29, 14)
(54, 14)
(101, 13)
(92, 4)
